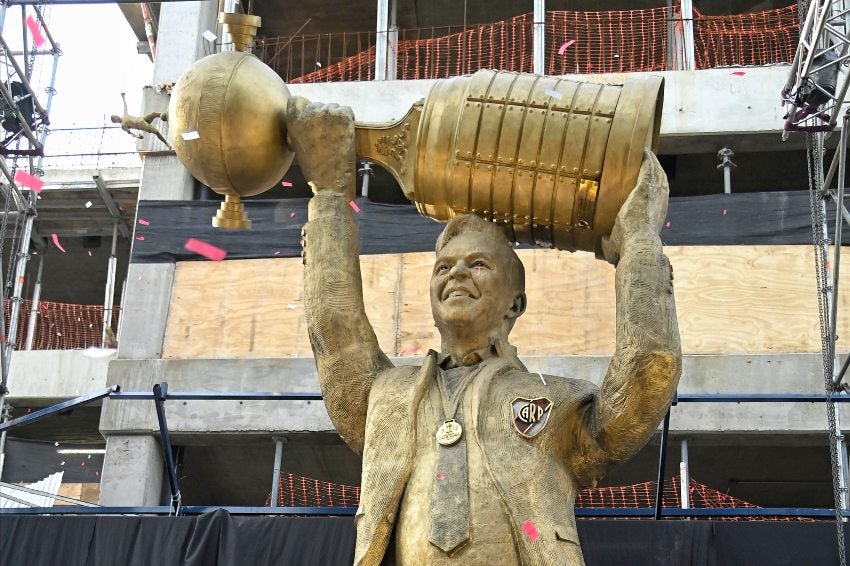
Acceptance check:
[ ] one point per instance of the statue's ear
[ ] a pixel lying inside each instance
(518, 306)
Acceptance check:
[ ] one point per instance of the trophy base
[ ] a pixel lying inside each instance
(231, 215)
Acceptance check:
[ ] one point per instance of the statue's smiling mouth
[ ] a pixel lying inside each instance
(454, 292)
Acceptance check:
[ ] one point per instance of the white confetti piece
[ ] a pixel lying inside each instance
(88, 204)
(290, 306)
(209, 36)
(193, 135)
(554, 93)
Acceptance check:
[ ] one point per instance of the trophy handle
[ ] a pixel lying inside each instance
(392, 146)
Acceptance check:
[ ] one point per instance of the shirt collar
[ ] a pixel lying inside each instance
(497, 348)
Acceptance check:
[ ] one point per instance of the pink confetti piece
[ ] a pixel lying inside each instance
(27, 180)
(35, 31)
(276, 252)
(724, 212)
(441, 476)
(566, 44)
(144, 222)
(21, 279)
(739, 73)
(89, 253)
(478, 270)
(209, 251)
(285, 184)
(292, 215)
(353, 205)
(668, 224)
(529, 529)
(140, 238)
(55, 237)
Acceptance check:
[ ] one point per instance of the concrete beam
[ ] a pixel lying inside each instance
(795, 373)
(44, 377)
(701, 108)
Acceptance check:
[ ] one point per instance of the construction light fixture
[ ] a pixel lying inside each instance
(81, 451)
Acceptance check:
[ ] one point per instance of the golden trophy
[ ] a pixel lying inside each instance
(550, 159)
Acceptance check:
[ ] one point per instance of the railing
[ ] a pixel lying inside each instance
(718, 509)
(90, 147)
(575, 42)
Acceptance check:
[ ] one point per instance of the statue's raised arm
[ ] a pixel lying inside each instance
(344, 344)
(644, 372)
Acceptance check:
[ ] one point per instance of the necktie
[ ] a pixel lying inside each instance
(449, 527)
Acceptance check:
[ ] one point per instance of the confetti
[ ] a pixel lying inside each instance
(554, 93)
(55, 444)
(739, 73)
(290, 306)
(566, 44)
(209, 251)
(21, 279)
(62, 463)
(724, 212)
(144, 222)
(209, 36)
(285, 184)
(140, 238)
(89, 253)
(27, 180)
(276, 252)
(441, 476)
(353, 205)
(668, 224)
(37, 38)
(292, 215)
(193, 135)
(529, 529)
(88, 204)
(55, 237)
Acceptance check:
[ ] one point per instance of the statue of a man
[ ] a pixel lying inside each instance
(469, 458)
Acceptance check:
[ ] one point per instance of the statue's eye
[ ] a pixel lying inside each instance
(478, 263)
(442, 268)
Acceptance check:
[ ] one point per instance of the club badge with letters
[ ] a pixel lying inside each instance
(530, 415)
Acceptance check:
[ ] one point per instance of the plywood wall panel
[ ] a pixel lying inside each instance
(731, 299)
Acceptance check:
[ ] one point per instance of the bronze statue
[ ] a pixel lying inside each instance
(469, 458)
(143, 124)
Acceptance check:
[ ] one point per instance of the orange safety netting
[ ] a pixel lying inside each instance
(298, 491)
(61, 326)
(759, 38)
(575, 42)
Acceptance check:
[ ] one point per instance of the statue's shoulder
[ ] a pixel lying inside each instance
(396, 376)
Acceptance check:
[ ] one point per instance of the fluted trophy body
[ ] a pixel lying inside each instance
(550, 159)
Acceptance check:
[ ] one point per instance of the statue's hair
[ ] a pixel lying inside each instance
(469, 223)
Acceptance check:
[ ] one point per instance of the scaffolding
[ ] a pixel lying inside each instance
(24, 122)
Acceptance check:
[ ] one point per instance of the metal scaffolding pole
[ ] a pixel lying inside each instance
(539, 35)
(36, 304)
(381, 41)
(107, 338)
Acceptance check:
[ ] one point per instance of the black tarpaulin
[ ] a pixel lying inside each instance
(165, 226)
(220, 539)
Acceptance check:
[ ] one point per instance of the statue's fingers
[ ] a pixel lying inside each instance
(295, 108)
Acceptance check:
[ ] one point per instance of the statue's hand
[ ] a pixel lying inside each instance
(644, 211)
(322, 137)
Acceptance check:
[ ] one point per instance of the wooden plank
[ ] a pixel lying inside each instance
(254, 308)
(731, 299)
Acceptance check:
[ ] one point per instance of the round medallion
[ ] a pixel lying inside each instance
(449, 433)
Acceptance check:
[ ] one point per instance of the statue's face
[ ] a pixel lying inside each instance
(472, 287)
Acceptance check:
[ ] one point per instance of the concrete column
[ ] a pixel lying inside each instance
(133, 471)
